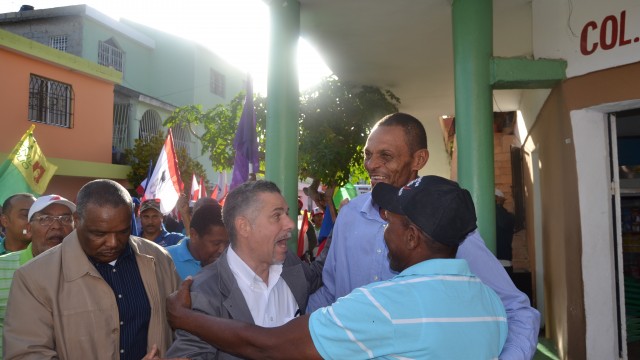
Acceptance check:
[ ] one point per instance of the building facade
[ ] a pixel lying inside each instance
(160, 71)
(70, 100)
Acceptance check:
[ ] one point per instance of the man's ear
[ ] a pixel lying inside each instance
(243, 226)
(27, 230)
(412, 238)
(420, 159)
(4, 220)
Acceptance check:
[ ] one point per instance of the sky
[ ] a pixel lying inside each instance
(237, 30)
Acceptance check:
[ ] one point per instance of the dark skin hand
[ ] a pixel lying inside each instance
(238, 338)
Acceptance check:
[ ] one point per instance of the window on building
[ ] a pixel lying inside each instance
(110, 55)
(181, 137)
(58, 42)
(121, 113)
(217, 83)
(50, 102)
(150, 125)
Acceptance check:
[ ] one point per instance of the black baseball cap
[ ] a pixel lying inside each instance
(438, 206)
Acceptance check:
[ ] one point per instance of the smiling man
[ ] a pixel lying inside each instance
(256, 280)
(99, 295)
(395, 151)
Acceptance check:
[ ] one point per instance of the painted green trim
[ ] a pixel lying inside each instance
(472, 52)
(90, 169)
(283, 103)
(522, 73)
(36, 50)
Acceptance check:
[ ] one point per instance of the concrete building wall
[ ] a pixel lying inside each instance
(42, 29)
(569, 141)
(136, 72)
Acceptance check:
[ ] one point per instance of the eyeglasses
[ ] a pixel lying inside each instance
(47, 220)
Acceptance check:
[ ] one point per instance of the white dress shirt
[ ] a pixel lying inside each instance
(270, 304)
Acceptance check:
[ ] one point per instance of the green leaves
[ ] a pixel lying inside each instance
(335, 120)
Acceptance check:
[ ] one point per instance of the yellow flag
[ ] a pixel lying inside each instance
(29, 160)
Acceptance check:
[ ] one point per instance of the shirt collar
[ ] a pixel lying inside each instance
(243, 272)
(182, 252)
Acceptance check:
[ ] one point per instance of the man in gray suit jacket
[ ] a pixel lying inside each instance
(256, 280)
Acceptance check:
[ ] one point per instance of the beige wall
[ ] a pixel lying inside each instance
(552, 137)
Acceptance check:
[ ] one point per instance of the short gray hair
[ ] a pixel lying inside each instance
(102, 192)
(243, 201)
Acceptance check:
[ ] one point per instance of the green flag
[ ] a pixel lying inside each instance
(26, 169)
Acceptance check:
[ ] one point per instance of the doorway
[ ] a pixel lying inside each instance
(626, 165)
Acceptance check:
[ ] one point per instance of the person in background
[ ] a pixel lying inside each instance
(152, 226)
(310, 235)
(435, 308)
(316, 218)
(50, 220)
(505, 224)
(186, 210)
(14, 221)
(99, 295)
(396, 149)
(207, 242)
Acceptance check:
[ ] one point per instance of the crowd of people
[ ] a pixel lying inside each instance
(402, 272)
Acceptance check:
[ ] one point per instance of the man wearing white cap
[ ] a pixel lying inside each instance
(50, 219)
(98, 295)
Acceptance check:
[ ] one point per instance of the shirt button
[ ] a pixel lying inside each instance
(114, 270)
(375, 278)
(121, 351)
(119, 296)
(379, 251)
(121, 322)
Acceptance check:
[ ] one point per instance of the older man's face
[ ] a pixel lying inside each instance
(103, 231)
(49, 226)
(387, 157)
(270, 230)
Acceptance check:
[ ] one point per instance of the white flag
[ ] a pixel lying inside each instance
(165, 183)
(195, 190)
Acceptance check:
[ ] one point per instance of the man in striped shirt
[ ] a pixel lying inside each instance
(434, 308)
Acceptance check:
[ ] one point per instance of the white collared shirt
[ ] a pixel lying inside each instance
(270, 305)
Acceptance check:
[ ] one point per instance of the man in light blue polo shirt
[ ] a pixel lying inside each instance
(433, 309)
(208, 239)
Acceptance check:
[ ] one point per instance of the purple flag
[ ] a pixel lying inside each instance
(245, 142)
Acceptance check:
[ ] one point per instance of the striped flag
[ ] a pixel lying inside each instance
(165, 182)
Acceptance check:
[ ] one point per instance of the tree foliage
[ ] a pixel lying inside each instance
(335, 120)
(219, 124)
(148, 150)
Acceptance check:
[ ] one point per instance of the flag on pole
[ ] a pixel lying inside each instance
(223, 186)
(143, 184)
(203, 189)
(26, 169)
(245, 142)
(165, 182)
(214, 192)
(195, 190)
